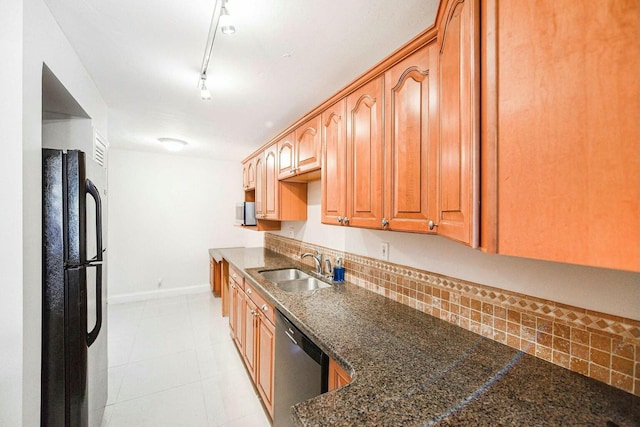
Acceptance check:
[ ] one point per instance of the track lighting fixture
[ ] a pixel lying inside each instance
(226, 25)
(205, 94)
(222, 19)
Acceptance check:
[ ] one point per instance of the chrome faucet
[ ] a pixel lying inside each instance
(317, 258)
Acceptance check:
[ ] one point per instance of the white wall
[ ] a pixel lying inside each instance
(609, 291)
(11, 312)
(166, 211)
(43, 42)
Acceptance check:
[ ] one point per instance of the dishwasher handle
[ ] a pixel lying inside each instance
(298, 338)
(291, 338)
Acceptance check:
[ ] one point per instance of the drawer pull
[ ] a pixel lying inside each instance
(264, 308)
(249, 291)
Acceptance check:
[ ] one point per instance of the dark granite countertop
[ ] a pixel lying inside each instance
(412, 369)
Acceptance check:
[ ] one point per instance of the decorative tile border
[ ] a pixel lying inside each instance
(598, 345)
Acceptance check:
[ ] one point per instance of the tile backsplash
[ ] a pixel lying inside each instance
(598, 345)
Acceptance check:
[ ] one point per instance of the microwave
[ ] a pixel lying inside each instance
(246, 213)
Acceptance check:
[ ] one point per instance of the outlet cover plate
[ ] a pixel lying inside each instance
(384, 251)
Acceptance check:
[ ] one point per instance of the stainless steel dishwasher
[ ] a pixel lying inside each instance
(301, 370)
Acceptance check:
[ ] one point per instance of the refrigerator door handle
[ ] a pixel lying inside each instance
(93, 191)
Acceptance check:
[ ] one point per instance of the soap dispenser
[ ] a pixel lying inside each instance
(338, 271)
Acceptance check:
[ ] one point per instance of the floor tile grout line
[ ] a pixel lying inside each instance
(211, 342)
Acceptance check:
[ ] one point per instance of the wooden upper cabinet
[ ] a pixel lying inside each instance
(260, 186)
(411, 142)
(563, 131)
(271, 196)
(249, 174)
(299, 152)
(334, 163)
(308, 143)
(286, 152)
(458, 100)
(365, 155)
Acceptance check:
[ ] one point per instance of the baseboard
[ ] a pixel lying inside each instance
(164, 293)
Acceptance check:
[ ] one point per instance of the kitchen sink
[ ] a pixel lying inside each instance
(293, 280)
(284, 275)
(302, 285)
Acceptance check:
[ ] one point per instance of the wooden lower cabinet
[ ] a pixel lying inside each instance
(249, 348)
(236, 314)
(253, 331)
(338, 377)
(265, 360)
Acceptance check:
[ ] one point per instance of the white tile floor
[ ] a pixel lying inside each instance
(172, 363)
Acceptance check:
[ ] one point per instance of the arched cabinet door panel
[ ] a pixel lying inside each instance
(458, 63)
(411, 142)
(365, 151)
(334, 164)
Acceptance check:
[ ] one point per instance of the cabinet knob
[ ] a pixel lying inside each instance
(340, 219)
(264, 308)
(233, 286)
(345, 220)
(431, 225)
(292, 170)
(385, 222)
(249, 291)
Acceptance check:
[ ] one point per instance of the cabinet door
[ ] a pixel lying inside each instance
(271, 196)
(249, 350)
(286, 165)
(232, 307)
(458, 112)
(411, 142)
(338, 377)
(308, 144)
(260, 186)
(251, 174)
(365, 155)
(567, 142)
(237, 316)
(334, 164)
(245, 176)
(265, 362)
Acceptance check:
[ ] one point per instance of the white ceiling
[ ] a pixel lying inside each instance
(286, 57)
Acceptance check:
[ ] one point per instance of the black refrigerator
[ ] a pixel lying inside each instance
(74, 387)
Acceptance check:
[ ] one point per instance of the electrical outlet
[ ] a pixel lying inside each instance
(384, 251)
(292, 233)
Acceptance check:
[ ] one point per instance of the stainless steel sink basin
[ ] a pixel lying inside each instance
(284, 275)
(293, 280)
(302, 285)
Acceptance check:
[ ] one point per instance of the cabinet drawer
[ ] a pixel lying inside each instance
(236, 276)
(265, 308)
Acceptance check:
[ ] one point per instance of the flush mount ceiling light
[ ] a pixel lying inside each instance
(173, 144)
(222, 19)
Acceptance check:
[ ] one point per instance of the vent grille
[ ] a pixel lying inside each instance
(100, 147)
